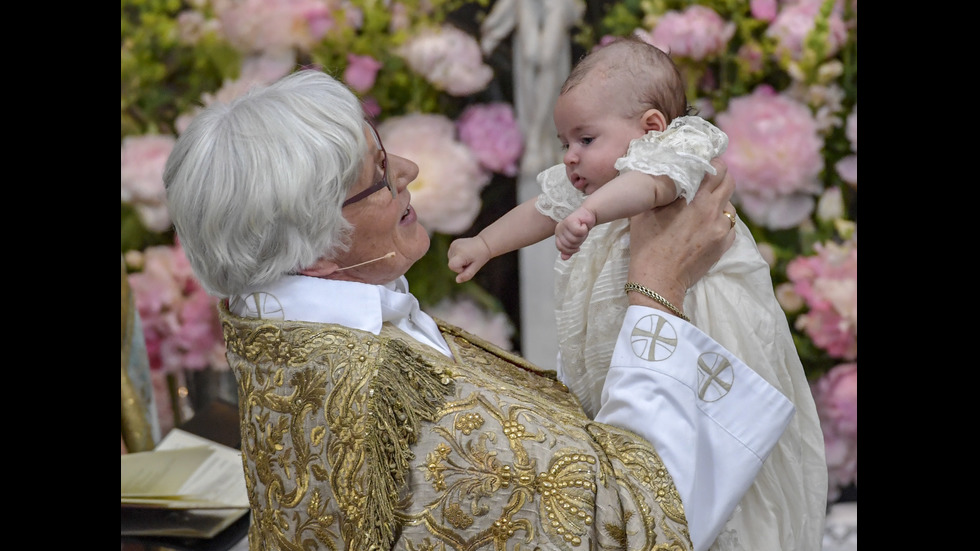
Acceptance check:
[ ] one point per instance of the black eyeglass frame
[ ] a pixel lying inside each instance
(384, 176)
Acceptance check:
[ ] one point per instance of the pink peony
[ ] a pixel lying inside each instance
(361, 71)
(258, 26)
(491, 131)
(764, 10)
(696, 33)
(835, 395)
(180, 320)
(827, 282)
(446, 193)
(448, 58)
(466, 313)
(774, 153)
(794, 23)
(143, 160)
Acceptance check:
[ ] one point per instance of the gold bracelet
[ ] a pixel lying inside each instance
(630, 286)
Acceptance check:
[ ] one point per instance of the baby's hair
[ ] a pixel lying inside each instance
(636, 66)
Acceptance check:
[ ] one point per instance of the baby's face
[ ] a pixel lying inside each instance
(594, 133)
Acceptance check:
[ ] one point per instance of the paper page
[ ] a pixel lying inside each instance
(221, 478)
(187, 486)
(160, 473)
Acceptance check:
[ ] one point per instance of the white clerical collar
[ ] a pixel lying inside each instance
(355, 305)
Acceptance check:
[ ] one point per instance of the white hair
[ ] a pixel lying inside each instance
(255, 186)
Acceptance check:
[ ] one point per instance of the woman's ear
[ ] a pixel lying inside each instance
(653, 119)
(321, 268)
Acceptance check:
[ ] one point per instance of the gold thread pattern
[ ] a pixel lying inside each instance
(356, 441)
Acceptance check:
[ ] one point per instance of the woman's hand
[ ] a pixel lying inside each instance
(673, 246)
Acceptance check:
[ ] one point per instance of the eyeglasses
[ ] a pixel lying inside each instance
(383, 182)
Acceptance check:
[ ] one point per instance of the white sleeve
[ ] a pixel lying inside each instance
(712, 419)
(683, 152)
(558, 197)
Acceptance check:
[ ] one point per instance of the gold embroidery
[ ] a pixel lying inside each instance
(356, 441)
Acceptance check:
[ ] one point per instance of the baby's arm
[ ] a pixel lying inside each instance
(624, 196)
(522, 226)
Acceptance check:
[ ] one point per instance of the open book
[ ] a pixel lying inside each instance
(187, 486)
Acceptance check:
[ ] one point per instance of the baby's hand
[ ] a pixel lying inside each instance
(466, 256)
(571, 232)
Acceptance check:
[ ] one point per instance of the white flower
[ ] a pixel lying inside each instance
(143, 159)
(448, 58)
(466, 313)
(446, 194)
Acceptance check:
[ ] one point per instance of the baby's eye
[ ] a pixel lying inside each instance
(587, 141)
(564, 147)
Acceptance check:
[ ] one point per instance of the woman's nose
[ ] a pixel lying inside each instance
(402, 170)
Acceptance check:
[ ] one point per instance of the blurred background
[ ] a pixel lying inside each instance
(466, 89)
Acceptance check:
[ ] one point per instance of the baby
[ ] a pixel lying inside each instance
(630, 147)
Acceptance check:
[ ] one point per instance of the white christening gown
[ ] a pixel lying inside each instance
(734, 303)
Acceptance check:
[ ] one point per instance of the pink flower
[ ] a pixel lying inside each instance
(466, 313)
(751, 57)
(764, 10)
(828, 283)
(605, 40)
(446, 193)
(835, 395)
(788, 299)
(361, 71)
(774, 152)
(399, 17)
(371, 107)
(180, 321)
(697, 33)
(192, 26)
(847, 169)
(256, 26)
(489, 129)
(794, 23)
(143, 160)
(448, 58)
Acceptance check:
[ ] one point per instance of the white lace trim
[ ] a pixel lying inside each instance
(682, 152)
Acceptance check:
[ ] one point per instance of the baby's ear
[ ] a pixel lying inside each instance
(653, 119)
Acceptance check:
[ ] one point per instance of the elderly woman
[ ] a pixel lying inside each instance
(367, 424)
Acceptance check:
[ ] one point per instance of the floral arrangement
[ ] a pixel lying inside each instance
(780, 78)
(423, 79)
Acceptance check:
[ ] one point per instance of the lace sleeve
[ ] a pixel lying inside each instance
(681, 152)
(558, 196)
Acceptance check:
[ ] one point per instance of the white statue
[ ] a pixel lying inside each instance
(542, 49)
(542, 59)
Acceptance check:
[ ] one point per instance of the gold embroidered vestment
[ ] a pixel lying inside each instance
(357, 441)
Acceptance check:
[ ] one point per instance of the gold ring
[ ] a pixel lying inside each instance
(731, 218)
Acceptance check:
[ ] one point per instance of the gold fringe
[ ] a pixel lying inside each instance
(400, 397)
